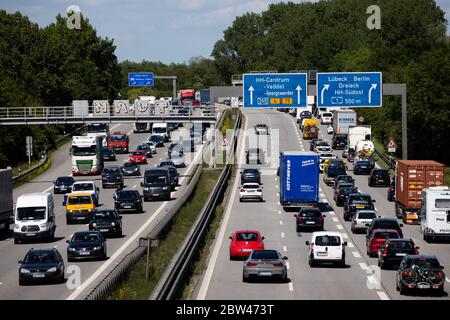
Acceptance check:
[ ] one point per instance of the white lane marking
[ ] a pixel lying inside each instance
(282, 234)
(345, 236)
(278, 202)
(114, 126)
(382, 295)
(287, 265)
(291, 286)
(276, 179)
(350, 245)
(332, 213)
(447, 279)
(363, 266)
(276, 186)
(132, 239)
(340, 227)
(134, 186)
(335, 219)
(356, 254)
(281, 222)
(284, 248)
(48, 189)
(279, 211)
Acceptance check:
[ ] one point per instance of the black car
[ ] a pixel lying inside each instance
(309, 218)
(304, 115)
(384, 223)
(109, 154)
(131, 169)
(41, 265)
(63, 185)
(157, 184)
(394, 250)
(362, 166)
(357, 201)
(166, 163)
(112, 176)
(342, 195)
(335, 168)
(175, 148)
(391, 191)
(339, 141)
(250, 175)
(146, 148)
(157, 140)
(420, 272)
(379, 177)
(107, 221)
(128, 200)
(86, 245)
(173, 176)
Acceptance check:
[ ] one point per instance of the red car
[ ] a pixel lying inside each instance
(245, 241)
(138, 156)
(378, 239)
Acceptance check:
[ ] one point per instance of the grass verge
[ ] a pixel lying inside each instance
(133, 285)
(47, 164)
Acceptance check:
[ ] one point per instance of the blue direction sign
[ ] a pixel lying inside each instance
(349, 89)
(140, 79)
(275, 90)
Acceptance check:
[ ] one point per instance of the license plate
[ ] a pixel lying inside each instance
(322, 254)
(359, 207)
(63, 188)
(265, 273)
(156, 195)
(310, 222)
(411, 217)
(423, 286)
(84, 253)
(246, 250)
(30, 234)
(127, 207)
(104, 230)
(400, 254)
(38, 275)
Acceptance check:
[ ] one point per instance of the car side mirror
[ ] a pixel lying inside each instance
(20, 261)
(67, 241)
(324, 215)
(401, 225)
(262, 238)
(120, 217)
(417, 247)
(142, 184)
(307, 243)
(230, 237)
(345, 243)
(295, 215)
(285, 258)
(374, 200)
(379, 216)
(442, 267)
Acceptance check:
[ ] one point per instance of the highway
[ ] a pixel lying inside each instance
(134, 225)
(223, 278)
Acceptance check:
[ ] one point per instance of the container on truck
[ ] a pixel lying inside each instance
(435, 213)
(342, 120)
(6, 199)
(204, 96)
(299, 179)
(357, 133)
(412, 176)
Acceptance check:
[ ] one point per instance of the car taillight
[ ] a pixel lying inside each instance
(259, 190)
(385, 251)
(312, 248)
(251, 264)
(299, 218)
(242, 190)
(416, 252)
(278, 264)
(321, 219)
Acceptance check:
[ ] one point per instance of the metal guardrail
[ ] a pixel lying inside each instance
(176, 272)
(391, 163)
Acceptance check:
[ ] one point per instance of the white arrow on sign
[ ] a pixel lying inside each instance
(251, 89)
(374, 86)
(325, 88)
(298, 93)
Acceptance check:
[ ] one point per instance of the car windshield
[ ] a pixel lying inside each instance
(265, 255)
(381, 173)
(320, 143)
(360, 199)
(386, 225)
(40, 257)
(85, 237)
(97, 128)
(110, 171)
(367, 215)
(401, 245)
(326, 114)
(64, 180)
(386, 235)
(117, 137)
(137, 153)
(104, 215)
(107, 151)
(142, 147)
(423, 262)
(345, 178)
(247, 236)
(84, 151)
(129, 165)
(155, 138)
(156, 179)
(79, 200)
(310, 213)
(166, 163)
(128, 195)
(346, 191)
(363, 162)
(83, 187)
(31, 213)
(159, 130)
(251, 186)
(328, 241)
(251, 171)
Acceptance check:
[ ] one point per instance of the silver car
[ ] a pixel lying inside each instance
(265, 264)
(178, 160)
(362, 219)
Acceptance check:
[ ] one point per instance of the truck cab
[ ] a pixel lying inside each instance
(435, 213)
(160, 129)
(118, 141)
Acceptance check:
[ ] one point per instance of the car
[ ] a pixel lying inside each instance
(361, 166)
(330, 129)
(137, 156)
(112, 176)
(86, 245)
(334, 168)
(41, 265)
(379, 177)
(377, 239)
(174, 176)
(243, 242)
(86, 187)
(321, 144)
(63, 185)
(384, 223)
(391, 191)
(151, 144)
(394, 250)
(79, 207)
(130, 169)
(344, 153)
(265, 263)
(357, 201)
(146, 148)
(304, 115)
(109, 154)
(326, 247)
(250, 191)
(128, 200)
(107, 221)
(157, 140)
(344, 178)
(261, 128)
(342, 195)
(362, 219)
(324, 158)
(166, 162)
(178, 161)
(326, 118)
(309, 218)
(250, 175)
(255, 155)
(312, 143)
(339, 142)
(323, 150)
(157, 184)
(420, 272)
(341, 185)
(178, 148)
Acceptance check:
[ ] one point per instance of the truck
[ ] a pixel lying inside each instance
(411, 177)
(204, 96)
(187, 97)
(357, 133)
(6, 199)
(119, 141)
(310, 129)
(299, 179)
(435, 213)
(86, 155)
(342, 120)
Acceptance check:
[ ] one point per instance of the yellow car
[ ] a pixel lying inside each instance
(79, 207)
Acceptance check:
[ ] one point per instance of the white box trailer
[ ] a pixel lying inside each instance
(6, 199)
(435, 213)
(342, 120)
(357, 133)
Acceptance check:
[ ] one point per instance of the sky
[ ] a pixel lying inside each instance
(155, 30)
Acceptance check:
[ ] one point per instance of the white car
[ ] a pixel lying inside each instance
(323, 149)
(326, 118)
(250, 191)
(178, 160)
(362, 219)
(330, 129)
(87, 187)
(326, 247)
(152, 145)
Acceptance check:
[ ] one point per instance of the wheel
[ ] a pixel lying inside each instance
(16, 241)
(21, 282)
(352, 229)
(312, 262)
(240, 199)
(103, 186)
(68, 221)
(342, 263)
(402, 291)
(244, 279)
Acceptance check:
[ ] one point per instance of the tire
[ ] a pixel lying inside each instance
(103, 186)
(352, 229)
(297, 229)
(244, 279)
(312, 262)
(16, 241)
(342, 263)
(21, 282)
(68, 221)
(402, 291)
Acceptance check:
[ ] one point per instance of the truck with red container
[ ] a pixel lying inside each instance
(411, 176)
(187, 98)
(118, 141)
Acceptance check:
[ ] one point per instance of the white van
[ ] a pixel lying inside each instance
(34, 217)
(435, 213)
(160, 129)
(326, 118)
(326, 247)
